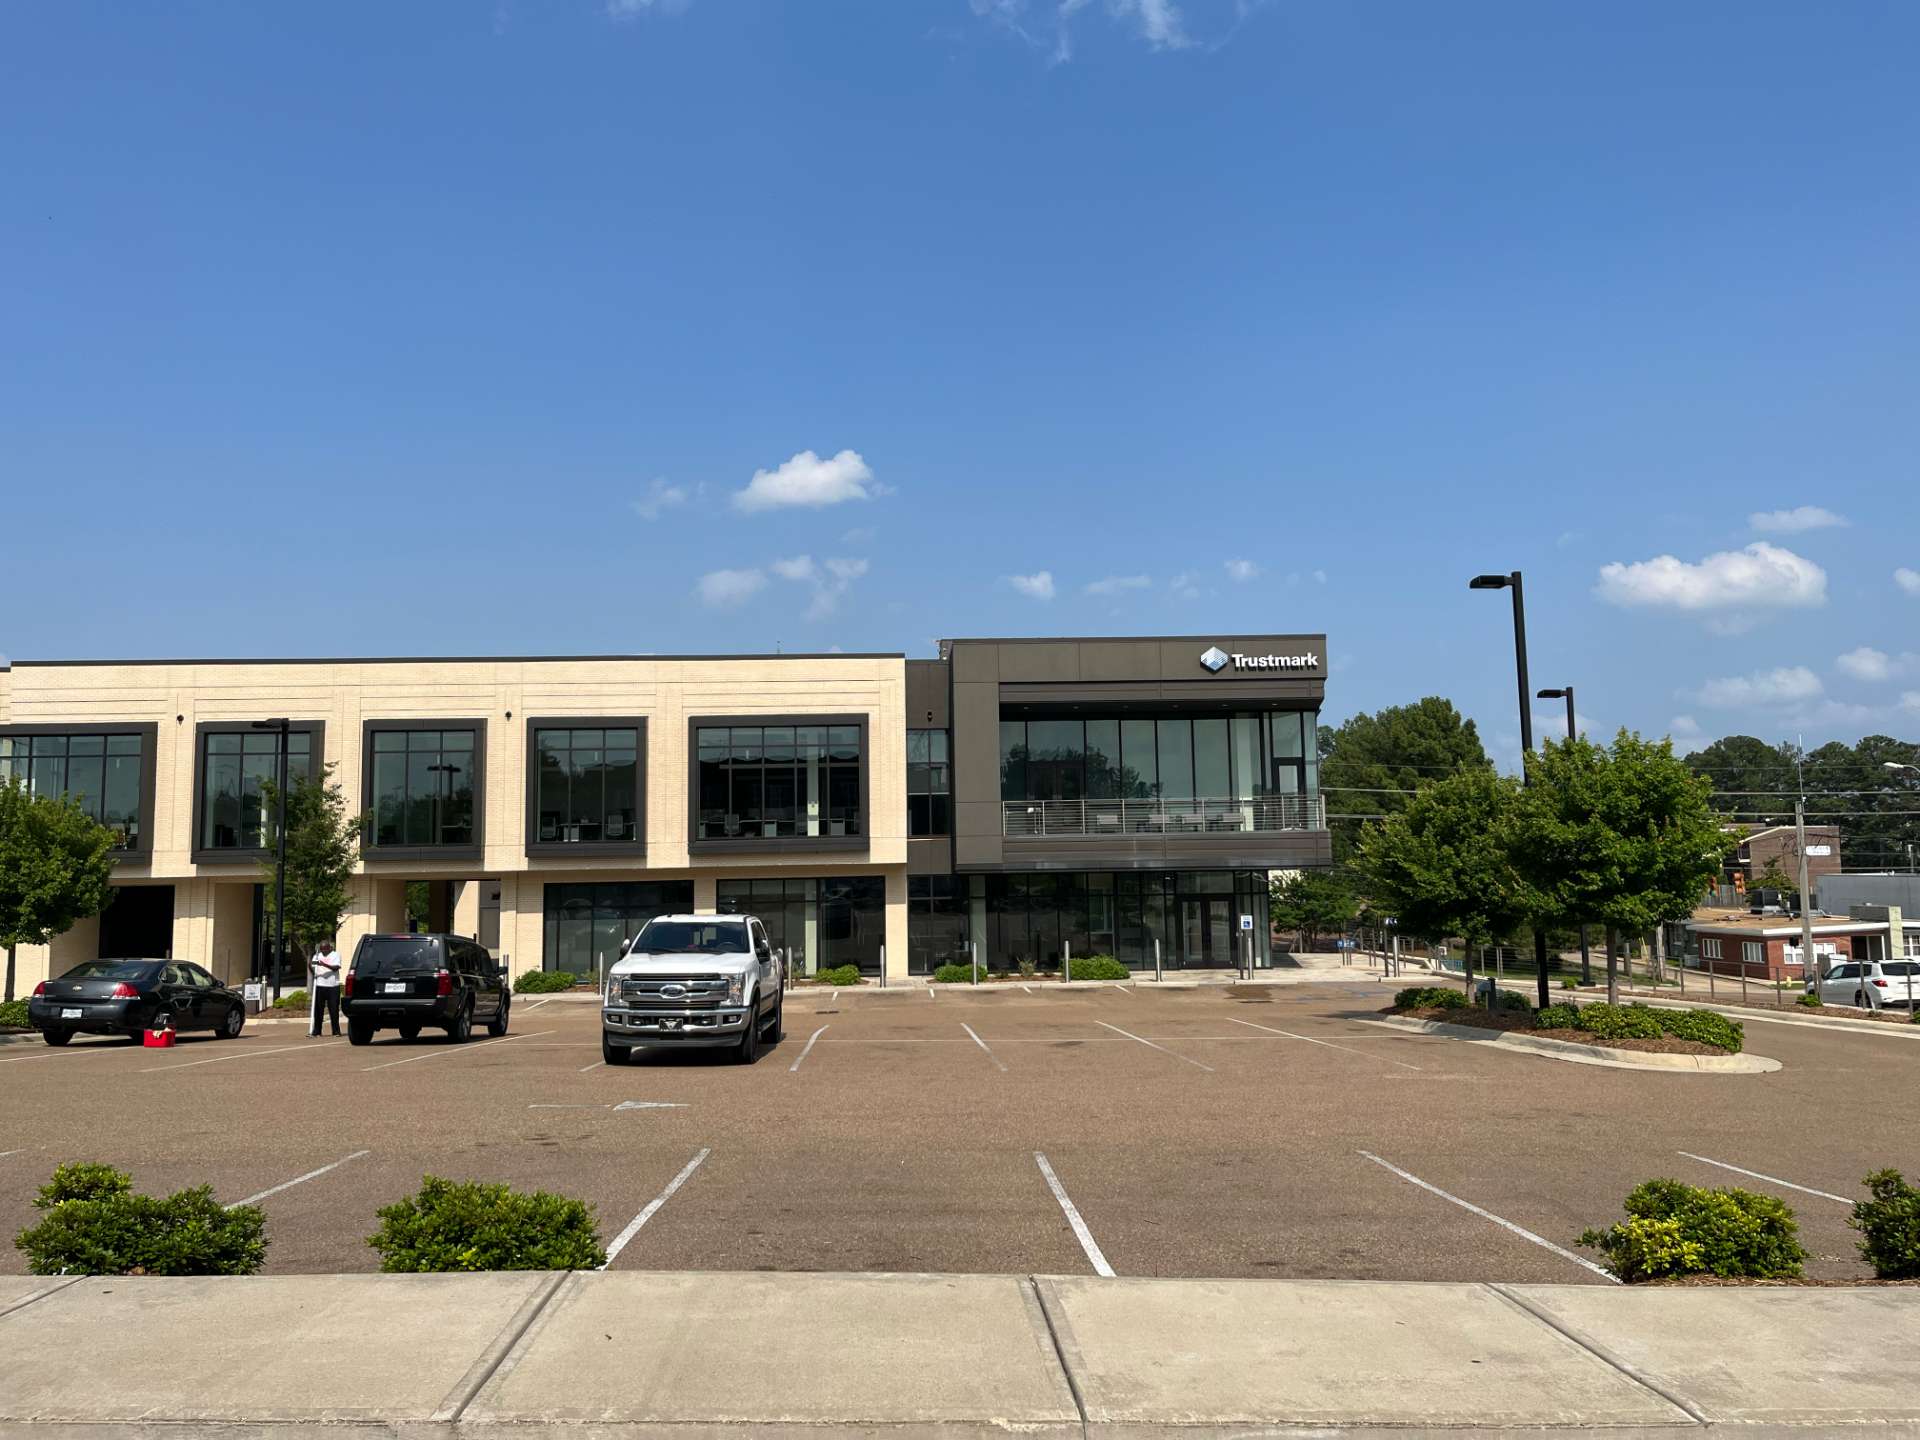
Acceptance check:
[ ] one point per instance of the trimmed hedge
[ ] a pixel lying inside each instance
(955, 975)
(1706, 1026)
(1642, 1022)
(840, 975)
(544, 982)
(14, 1013)
(1676, 1229)
(1510, 1000)
(455, 1225)
(1889, 1226)
(1097, 967)
(1620, 1022)
(1558, 1017)
(293, 1000)
(1429, 997)
(94, 1224)
(1811, 1000)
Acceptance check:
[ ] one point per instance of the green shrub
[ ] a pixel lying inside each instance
(1510, 1000)
(1429, 997)
(953, 975)
(1567, 982)
(1705, 1026)
(1811, 1000)
(1889, 1225)
(1677, 1229)
(841, 975)
(292, 1000)
(469, 1225)
(1028, 968)
(1558, 1017)
(94, 1224)
(1620, 1022)
(1097, 967)
(13, 1014)
(544, 982)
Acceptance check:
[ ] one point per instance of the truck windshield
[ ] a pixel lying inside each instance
(691, 937)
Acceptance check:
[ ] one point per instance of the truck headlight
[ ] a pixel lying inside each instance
(613, 992)
(737, 990)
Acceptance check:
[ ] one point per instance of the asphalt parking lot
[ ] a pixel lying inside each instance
(1260, 1132)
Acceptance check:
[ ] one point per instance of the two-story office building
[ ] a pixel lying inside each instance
(1029, 796)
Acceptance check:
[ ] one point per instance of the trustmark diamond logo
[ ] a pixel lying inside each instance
(1214, 658)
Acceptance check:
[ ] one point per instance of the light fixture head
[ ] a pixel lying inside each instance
(1490, 582)
(1549, 694)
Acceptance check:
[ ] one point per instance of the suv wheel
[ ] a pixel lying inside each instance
(614, 1054)
(749, 1050)
(461, 1030)
(359, 1032)
(498, 1025)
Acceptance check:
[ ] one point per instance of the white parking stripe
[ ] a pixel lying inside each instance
(983, 1045)
(808, 1050)
(50, 1054)
(1151, 1046)
(299, 1179)
(653, 1207)
(595, 1066)
(1079, 1226)
(538, 1003)
(1770, 1179)
(444, 1051)
(1520, 1230)
(1121, 990)
(1328, 1043)
(1027, 988)
(5, 1153)
(239, 1055)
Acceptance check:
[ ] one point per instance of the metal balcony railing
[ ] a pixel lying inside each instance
(1037, 819)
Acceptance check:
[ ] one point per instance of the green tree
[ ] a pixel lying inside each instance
(323, 844)
(1312, 903)
(1442, 866)
(1775, 877)
(1623, 834)
(1748, 776)
(56, 864)
(1372, 764)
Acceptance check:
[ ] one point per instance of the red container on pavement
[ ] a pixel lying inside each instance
(160, 1039)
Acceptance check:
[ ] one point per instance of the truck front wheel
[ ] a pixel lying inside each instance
(614, 1054)
(749, 1050)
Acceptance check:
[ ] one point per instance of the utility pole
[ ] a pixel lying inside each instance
(1809, 965)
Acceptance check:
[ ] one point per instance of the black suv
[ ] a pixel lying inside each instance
(410, 982)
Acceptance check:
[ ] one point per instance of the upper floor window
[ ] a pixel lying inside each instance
(929, 784)
(236, 767)
(1171, 757)
(423, 784)
(586, 783)
(779, 781)
(101, 770)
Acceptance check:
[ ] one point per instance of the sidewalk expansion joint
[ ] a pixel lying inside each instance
(1597, 1350)
(59, 1283)
(1036, 1291)
(482, 1370)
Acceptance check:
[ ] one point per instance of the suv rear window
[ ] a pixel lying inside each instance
(691, 937)
(1900, 967)
(395, 954)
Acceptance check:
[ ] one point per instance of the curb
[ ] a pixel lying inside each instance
(1651, 1060)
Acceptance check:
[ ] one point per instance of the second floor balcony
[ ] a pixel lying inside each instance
(1169, 818)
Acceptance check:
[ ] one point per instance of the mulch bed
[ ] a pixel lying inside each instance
(1514, 1023)
(1803, 1283)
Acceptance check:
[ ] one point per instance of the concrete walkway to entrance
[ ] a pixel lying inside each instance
(788, 1354)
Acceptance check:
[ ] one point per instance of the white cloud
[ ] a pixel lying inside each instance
(1792, 522)
(800, 567)
(1241, 571)
(1552, 725)
(1686, 735)
(1783, 685)
(807, 480)
(1038, 586)
(1567, 537)
(1183, 586)
(1910, 700)
(660, 497)
(1115, 584)
(1907, 580)
(1761, 576)
(633, 9)
(1048, 24)
(831, 579)
(1866, 663)
(1319, 577)
(728, 589)
(1160, 22)
(860, 535)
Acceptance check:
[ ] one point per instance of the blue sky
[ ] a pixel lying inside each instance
(505, 327)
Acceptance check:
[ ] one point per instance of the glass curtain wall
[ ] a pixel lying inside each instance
(937, 929)
(778, 780)
(786, 907)
(589, 785)
(100, 773)
(235, 769)
(827, 922)
(853, 922)
(1195, 916)
(423, 787)
(1245, 756)
(587, 926)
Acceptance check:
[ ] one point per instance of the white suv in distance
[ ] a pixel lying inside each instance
(694, 980)
(1872, 984)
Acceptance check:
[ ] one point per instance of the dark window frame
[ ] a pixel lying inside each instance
(935, 829)
(199, 853)
(141, 851)
(778, 844)
(474, 850)
(539, 849)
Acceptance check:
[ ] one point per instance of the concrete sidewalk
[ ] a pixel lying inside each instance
(692, 1354)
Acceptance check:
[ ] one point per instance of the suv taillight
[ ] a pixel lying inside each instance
(446, 983)
(41, 988)
(346, 987)
(1881, 983)
(124, 991)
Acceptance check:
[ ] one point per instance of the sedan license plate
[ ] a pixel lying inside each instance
(71, 1014)
(394, 987)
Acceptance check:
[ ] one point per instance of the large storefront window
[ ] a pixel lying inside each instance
(422, 785)
(587, 926)
(826, 923)
(929, 784)
(1194, 916)
(588, 785)
(853, 922)
(100, 772)
(237, 768)
(785, 907)
(936, 922)
(1247, 756)
(775, 782)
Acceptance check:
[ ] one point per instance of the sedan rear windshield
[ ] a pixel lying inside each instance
(396, 955)
(134, 970)
(690, 937)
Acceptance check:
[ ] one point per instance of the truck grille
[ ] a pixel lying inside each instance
(679, 991)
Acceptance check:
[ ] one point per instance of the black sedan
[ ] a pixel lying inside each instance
(125, 997)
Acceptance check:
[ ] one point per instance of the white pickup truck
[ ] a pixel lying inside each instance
(694, 980)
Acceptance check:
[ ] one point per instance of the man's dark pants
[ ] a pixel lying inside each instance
(326, 1001)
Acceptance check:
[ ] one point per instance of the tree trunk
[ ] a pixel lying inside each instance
(9, 974)
(1613, 965)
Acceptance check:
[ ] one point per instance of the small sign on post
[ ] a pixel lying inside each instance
(1246, 922)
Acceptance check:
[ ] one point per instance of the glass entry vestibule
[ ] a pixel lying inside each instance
(1194, 915)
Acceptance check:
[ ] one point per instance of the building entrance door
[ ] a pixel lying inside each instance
(1206, 932)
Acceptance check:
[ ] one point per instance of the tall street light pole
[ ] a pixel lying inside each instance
(1573, 732)
(281, 726)
(1513, 582)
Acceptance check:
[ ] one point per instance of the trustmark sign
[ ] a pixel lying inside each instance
(1216, 660)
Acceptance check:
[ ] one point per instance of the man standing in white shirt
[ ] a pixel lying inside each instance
(323, 973)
